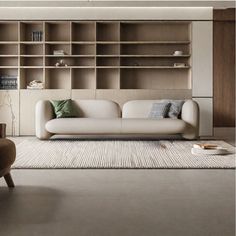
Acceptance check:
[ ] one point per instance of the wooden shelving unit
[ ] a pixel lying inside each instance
(106, 55)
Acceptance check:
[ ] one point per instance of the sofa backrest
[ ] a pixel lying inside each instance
(97, 108)
(137, 108)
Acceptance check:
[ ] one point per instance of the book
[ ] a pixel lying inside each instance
(205, 146)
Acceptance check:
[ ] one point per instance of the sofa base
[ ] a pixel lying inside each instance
(118, 137)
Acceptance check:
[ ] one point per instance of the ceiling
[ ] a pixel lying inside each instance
(117, 3)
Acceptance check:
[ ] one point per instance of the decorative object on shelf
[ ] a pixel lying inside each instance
(35, 84)
(6, 102)
(208, 149)
(8, 82)
(179, 64)
(59, 52)
(37, 36)
(61, 63)
(178, 53)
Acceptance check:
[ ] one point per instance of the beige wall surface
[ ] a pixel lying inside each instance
(105, 13)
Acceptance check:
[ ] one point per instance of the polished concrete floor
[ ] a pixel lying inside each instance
(118, 202)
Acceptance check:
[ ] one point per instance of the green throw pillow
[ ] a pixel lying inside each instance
(64, 108)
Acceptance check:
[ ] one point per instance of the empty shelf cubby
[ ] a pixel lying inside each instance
(8, 31)
(57, 31)
(57, 78)
(108, 78)
(83, 31)
(83, 78)
(108, 31)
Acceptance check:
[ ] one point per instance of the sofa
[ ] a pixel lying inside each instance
(104, 118)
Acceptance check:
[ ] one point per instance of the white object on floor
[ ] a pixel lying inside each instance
(215, 151)
(33, 153)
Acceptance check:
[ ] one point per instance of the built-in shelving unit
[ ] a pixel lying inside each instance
(98, 54)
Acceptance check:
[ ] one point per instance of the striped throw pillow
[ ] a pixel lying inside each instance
(159, 110)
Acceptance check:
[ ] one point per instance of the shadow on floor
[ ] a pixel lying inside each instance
(28, 205)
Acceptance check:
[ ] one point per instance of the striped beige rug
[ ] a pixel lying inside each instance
(33, 153)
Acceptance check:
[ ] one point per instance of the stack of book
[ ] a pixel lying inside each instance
(59, 53)
(37, 36)
(8, 82)
(35, 84)
(208, 149)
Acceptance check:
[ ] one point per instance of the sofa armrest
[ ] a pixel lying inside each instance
(190, 114)
(43, 113)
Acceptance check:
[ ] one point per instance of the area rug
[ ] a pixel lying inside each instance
(58, 154)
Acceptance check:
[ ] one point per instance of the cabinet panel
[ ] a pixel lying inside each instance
(202, 65)
(9, 111)
(28, 100)
(206, 116)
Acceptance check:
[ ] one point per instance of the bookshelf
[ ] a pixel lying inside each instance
(107, 55)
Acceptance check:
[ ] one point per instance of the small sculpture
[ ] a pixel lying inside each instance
(61, 63)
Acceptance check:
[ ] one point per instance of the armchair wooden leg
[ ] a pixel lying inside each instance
(9, 180)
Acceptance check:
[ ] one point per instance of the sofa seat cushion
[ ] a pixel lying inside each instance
(84, 126)
(152, 126)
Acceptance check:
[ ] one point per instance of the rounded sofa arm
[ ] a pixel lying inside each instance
(43, 113)
(190, 114)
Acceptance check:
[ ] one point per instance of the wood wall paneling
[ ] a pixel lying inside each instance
(224, 68)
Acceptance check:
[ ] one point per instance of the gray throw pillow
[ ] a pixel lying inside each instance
(159, 110)
(175, 108)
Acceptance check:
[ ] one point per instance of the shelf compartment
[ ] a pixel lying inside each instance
(31, 61)
(49, 48)
(108, 61)
(9, 71)
(57, 31)
(155, 31)
(83, 31)
(8, 49)
(83, 79)
(108, 49)
(71, 61)
(27, 29)
(82, 49)
(108, 31)
(57, 78)
(8, 61)
(154, 49)
(155, 79)
(108, 78)
(31, 49)
(8, 31)
(152, 61)
(29, 74)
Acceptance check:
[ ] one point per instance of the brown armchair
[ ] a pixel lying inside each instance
(7, 156)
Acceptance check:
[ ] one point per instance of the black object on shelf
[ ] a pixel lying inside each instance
(37, 36)
(8, 82)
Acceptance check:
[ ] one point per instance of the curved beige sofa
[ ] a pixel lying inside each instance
(105, 118)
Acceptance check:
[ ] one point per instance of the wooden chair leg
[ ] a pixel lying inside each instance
(9, 180)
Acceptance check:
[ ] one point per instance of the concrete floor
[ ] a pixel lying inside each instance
(118, 202)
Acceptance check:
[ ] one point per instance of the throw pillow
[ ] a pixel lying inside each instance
(159, 110)
(175, 109)
(64, 108)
